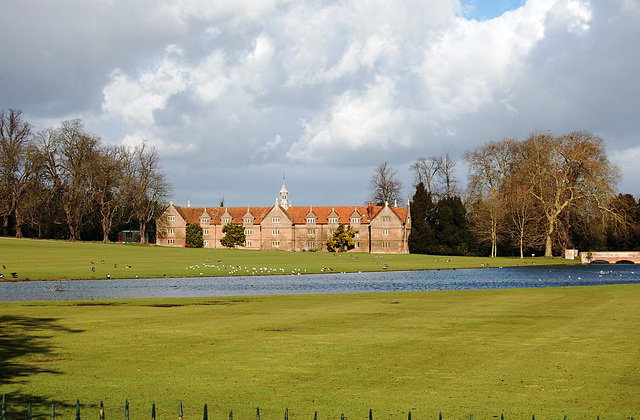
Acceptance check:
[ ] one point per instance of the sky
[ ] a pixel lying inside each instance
(235, 95)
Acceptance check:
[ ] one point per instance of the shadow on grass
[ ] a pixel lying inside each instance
(25, 350)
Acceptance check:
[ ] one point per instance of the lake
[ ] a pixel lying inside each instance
(387, 281)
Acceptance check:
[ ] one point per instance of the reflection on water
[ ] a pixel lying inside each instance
(394, 281)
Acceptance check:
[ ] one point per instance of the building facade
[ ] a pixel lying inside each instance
(381, 229)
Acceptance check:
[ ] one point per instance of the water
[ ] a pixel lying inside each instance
(394, 281)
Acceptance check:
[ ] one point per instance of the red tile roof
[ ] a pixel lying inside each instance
(297, 215)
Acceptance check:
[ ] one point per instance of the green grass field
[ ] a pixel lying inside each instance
(40, 260)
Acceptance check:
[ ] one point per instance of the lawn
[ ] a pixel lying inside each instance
(547, 351)
(39, 259)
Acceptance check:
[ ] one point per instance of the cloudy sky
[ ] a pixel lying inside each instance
(235, 93)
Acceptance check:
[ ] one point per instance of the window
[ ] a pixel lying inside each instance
(226, 220)
(357, 245)
(275, 232)
(171, 241)
(205, 231)
(333, 220)
(386, 218)
(248, 232)
(275, 220)
(311, 220)
(355, 220)
(247, 243)
(206, 243)
(386, 232)
(206, 220)
(311, 232)
(275, 244)
(248, 220)
(171, 218)
(171, 231)
(386, 244)
(310, 244)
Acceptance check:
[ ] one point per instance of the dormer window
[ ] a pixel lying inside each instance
(226, 220)
(248, 220)
(206, 220)
(311, 220)
(171, 218)
(355, 220)
(333, 220)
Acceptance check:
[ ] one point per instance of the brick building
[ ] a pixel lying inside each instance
(381, 229)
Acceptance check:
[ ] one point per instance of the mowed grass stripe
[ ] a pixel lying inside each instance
(546, 351)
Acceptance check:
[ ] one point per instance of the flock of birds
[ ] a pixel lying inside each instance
(108, 276)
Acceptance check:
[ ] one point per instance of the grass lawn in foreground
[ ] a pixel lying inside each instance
(547, 351)
(42, 259)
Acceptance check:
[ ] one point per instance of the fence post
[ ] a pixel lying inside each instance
(29, 412)
(471, 416)
(440, 416)
(257, 413)
(370, 414)
(180, 411)
(409, 418)
(77, 409)
(101, 410)
(53, 410)
(4, 408)
(315, 416)
(153, 411)
(205, 416)
(231, 415)
(126, 409)
(502, 416)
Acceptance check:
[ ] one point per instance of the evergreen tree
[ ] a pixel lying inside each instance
(342, 239)
(194, 235)
(233, 235)
(422, 237)
(452, 228)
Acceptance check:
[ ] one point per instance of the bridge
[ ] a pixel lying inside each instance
(610, 257)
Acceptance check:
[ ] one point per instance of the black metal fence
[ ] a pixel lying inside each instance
(205, 415)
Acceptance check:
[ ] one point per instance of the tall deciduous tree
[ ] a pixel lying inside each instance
(16, 166)
(425, 171)
(146, 185)
(385, 187)
(566, 171)
(69, 156)
(489, 168)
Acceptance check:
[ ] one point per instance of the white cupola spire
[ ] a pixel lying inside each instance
(284, 195)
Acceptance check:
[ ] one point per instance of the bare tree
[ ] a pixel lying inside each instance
(566, 171)
(147, 187)
(69, 155)
(384, 185)
(489, 168)
(447, 184)
(16, 168)
(425, 170)
(106, 185)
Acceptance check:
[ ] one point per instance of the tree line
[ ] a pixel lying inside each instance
(540, 195)
(64, 183)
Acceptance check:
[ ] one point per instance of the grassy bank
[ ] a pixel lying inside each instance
(39, 260)
(519, 352)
